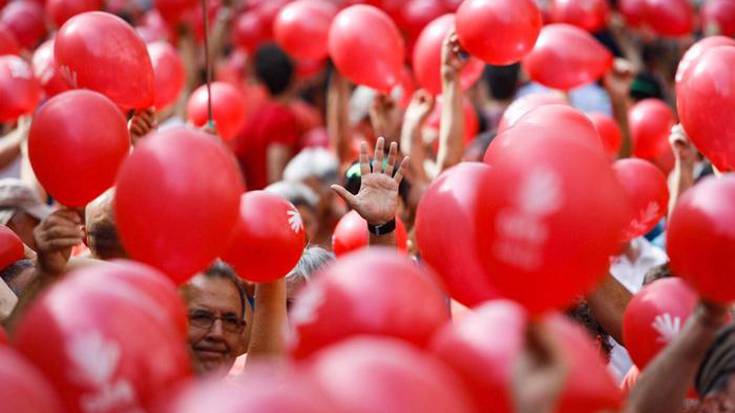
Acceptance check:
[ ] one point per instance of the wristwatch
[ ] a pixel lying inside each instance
(383, 229)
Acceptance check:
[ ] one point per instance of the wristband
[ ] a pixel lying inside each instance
(385, 229)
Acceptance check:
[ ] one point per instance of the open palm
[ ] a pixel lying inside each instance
(377, 200)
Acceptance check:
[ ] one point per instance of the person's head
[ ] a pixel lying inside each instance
(21, 210)
(274, 68)
(304, 199)
(219, 316)
(311, 261)
(317, 168)
(715, 380)
(102, 237)
(503, 81)
(18, 275)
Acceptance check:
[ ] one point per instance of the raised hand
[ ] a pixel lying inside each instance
(454, 58)
(141, 124)
(377, 200)
(55, 237)
(420, 107)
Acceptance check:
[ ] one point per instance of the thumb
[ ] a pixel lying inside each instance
(345, 194)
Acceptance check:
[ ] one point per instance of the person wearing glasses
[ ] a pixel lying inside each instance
(220, 314)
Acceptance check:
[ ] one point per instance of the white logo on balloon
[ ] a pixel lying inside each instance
(521, 229)
(69, 76)
(295, 220)
(640, 224)
(96, 361)
(667, 327)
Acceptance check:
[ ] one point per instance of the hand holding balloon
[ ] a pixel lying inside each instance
(618, 80)
(684, 151)
(454, 58)
(142, 122)
(55, 237)
(377, 200)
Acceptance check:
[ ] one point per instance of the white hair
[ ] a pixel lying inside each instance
(312, 162)
(295, 192)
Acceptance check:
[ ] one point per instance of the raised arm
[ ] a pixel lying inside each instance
(451, 130)
(337, 120)
(685, 155)
(422, 103)
(617, 83)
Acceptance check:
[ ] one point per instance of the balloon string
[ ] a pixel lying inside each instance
(207, 64)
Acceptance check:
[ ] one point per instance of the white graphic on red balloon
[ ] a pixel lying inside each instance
(295, 221)
(667, 327)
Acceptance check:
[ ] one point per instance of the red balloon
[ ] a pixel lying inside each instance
(525, 104)
(719, 16)
(47, 71)
(427, 57)
(566, 56)
(693, 54)
(351, 234)
(77, 141)
(20, 91)
(609, 131)
(173, 10)
(669, 17)
(701, 237)
(165, 173)
(159, 295)
(471, 122)
(384, 375)
(444, 229)
(515, 25)
(706, 98)
(3, 336)
(417, 14)
(169, 72)
(264, 388)
(302, 28)
(229, 108)
(633, 10)
(650, 122)
(100, 51)
(8, 44)
(24, 389)
(648, 193)
(350, 298)
(589, 387)
(374, 60)
(561, 122)
(268, 240)
(655, 316)
(26, 20)
(249, 31)
(547, 225)
(108, 354)
(590, 15)
(11, 247)
(482, 349)
(474, 349)
(62, 10)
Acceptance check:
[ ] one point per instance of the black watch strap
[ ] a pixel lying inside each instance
(383, 229)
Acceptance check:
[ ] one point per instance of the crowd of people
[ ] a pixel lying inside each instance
(335, 206)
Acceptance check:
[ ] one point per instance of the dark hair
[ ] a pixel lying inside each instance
(9, 273)
(582, 314)
(274, 68)
(219, 269)
(656, 273)
(502, 80)
(104, 240)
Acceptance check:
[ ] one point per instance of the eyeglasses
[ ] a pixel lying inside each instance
(204, 320)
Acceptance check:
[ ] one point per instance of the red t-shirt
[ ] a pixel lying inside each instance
(271, 123)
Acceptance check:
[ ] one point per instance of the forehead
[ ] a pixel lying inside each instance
(214, 294)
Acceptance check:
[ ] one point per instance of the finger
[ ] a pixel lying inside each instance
(64, 232)
(392, 155)
(402, 170)
(379, 155)
(345, 194)
(62, 243)
(364, 159)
